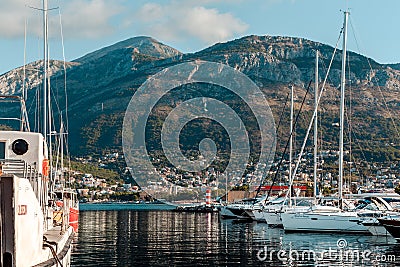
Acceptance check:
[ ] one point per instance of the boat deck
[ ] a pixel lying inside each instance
(59, 244)
(55, 234)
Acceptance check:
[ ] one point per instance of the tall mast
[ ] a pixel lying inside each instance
(62, 153)
(342, 90)
(24, 95)
(316, 123)
(291, 134)
(226, 189)
(45, 67)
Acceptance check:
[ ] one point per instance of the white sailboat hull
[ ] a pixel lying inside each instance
(259, 215)
(337, 222)
(237, 211)
(273, 217)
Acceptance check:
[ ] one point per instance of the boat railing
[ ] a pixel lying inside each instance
(15, 167)
(21, 169)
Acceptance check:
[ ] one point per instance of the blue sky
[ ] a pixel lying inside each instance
(191, 25)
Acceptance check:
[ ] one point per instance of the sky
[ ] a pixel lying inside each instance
(83, 26)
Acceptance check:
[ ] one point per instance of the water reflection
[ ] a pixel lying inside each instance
(165, 238)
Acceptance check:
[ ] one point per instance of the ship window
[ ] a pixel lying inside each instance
(2, 150)
(20, 146)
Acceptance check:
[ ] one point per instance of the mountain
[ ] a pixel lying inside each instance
(11, 82)
(288, 59)
(112, 61)
(139, 45)
(101, 84)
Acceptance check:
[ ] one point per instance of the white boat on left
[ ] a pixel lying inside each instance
(38, 215)
(30, 235)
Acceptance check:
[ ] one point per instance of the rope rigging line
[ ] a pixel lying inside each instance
(321, 114)
(269, 155)
(65, 71)
(379, 87)
(312, 119)
(288, 141)
(66, 126)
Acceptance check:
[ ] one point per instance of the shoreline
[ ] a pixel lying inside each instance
(105, 206)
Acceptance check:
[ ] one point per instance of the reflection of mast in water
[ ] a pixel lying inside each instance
(209, 239)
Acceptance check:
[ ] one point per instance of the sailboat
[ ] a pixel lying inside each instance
(272, 211)
(34, 223)
(328, 218)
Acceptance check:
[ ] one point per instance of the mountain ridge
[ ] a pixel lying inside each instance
(140, 44)
(101, 83)
(277, 50)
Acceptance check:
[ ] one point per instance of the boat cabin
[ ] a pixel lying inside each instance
(23, 152)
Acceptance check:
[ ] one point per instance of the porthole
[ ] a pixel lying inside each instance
(20, 146)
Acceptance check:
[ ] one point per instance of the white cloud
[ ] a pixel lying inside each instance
(179, 20)
(197, 21)
(149, 12)
(89, 18)
(209, 25)
(80, 18)
(12, 17)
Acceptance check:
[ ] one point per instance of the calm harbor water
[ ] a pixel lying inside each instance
(167, 238)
